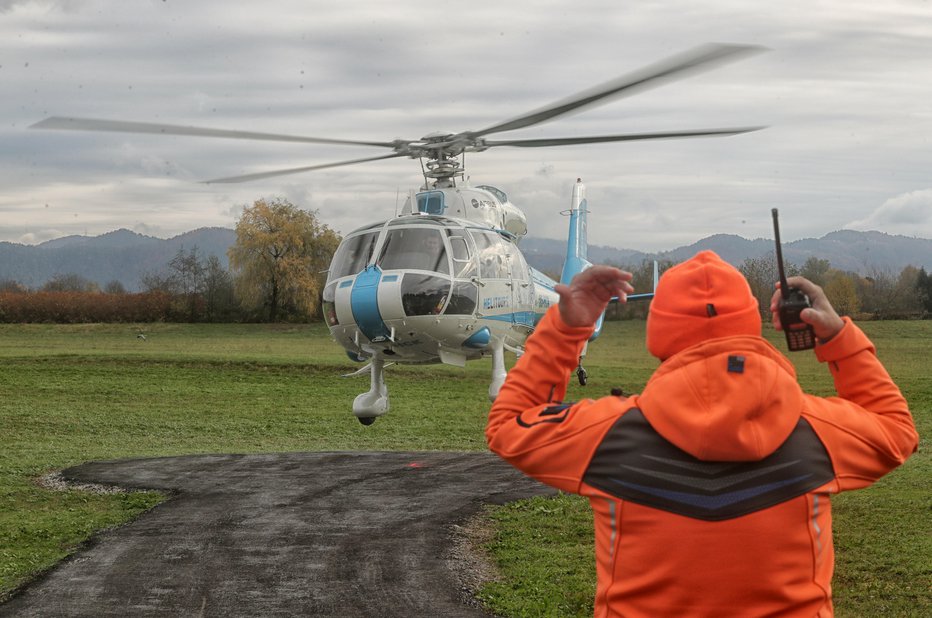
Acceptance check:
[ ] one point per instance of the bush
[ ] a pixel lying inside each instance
(85, 307)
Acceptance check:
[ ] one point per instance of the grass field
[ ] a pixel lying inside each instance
(70, 394)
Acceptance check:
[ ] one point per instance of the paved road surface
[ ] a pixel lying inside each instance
(299, 534)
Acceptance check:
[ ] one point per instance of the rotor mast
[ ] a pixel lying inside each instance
(440, 162)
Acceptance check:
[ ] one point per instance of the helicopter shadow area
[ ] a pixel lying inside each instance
(295, 534)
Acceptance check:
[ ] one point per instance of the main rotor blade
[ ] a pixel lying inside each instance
(567, 141)
(119, 126)
(697, 59)
(294, 170)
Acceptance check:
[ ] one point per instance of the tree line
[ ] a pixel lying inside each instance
(278, 267)
(878, 295)
(277, 270)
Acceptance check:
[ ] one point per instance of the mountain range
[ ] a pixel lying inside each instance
(126, 256)
(860, 252)
(120, 255)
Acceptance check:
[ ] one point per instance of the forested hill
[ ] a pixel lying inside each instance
(121, 255)
(126, 257)
(860, 252)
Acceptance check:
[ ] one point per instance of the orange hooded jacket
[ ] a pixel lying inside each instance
(710, 490)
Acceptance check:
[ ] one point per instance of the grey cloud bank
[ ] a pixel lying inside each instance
(844, 91)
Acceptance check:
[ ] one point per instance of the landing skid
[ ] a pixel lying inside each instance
(498, 369)
(369, 406)
(581, 374)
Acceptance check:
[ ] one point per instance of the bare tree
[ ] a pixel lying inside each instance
(11, 285)
(70, 282)
(219, 298)
(188, 270)
(160, 282)
(114, 287)
(924, 290)
(761, 273)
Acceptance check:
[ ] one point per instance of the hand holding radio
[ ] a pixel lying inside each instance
(791, 304)
(799, 307)
(821, 316)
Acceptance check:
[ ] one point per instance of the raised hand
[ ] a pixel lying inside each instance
(587, 295)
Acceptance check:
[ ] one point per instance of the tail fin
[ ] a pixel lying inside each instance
(577, 243)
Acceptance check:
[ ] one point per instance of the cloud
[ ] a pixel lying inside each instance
(34, 238)
(7, 6)
(844, 91)
(909, 214)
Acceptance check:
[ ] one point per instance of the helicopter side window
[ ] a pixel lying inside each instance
(431, 202)
(418, 248)
(423, 294)
(496, 192)
(492, 255)
(463, 299)
(519, 270)
(328, 306)
(353, 255)
(463, 265)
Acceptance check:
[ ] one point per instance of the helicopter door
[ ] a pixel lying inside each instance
(464, 267)
(464, 297)
(521, 288)
(496, 291)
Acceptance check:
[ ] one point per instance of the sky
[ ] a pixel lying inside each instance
(844, 90)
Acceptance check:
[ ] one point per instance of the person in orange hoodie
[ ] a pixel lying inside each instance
(710, 489)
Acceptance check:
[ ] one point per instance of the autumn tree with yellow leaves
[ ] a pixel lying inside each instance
(280, 258)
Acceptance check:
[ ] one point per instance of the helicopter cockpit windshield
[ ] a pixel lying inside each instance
(353, 255)
(416, 248)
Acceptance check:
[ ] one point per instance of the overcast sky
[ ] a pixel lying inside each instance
(845, 91)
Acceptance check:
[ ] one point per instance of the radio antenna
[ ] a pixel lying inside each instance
(784, 288)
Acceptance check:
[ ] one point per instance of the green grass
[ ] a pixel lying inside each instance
(544, 549)
(75, 393)
(70, 394)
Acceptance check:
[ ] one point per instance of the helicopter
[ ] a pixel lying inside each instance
(444, 280)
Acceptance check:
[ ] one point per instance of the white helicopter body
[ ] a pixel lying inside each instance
(444, 282)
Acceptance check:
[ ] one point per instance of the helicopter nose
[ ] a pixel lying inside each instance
(364, 302)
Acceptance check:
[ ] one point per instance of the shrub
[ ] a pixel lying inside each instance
(84, 307)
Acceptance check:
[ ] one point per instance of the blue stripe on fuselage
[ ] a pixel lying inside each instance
(527, 318)
(364, 302)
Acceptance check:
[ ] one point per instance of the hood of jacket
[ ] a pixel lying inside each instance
(727, 399)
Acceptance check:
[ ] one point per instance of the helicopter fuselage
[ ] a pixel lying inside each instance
(442, 282)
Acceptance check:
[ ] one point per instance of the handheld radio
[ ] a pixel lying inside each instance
(799, 335)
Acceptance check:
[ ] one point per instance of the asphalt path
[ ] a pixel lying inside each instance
(298, 534)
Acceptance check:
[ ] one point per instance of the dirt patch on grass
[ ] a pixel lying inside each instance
(54, 481)
(468, 558)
